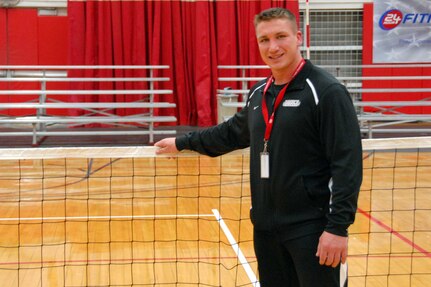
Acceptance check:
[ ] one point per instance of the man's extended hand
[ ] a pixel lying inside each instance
(166, 145)
(332, 249)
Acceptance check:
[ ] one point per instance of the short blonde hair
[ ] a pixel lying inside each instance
(275, 13)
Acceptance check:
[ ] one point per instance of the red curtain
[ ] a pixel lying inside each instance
(192, 37)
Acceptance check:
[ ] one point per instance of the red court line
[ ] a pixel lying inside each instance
(396, 233)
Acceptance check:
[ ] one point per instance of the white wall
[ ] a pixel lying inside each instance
(333, 4)
(36, 3)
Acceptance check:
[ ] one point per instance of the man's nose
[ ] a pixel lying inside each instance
(273, 45)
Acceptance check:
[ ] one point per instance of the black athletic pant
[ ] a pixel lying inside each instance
(293, 263)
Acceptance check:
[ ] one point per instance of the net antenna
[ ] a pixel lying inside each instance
(307, 29)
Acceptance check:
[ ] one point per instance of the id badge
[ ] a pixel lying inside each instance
(264, 165)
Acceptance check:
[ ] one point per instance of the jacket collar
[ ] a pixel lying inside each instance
(300, 80)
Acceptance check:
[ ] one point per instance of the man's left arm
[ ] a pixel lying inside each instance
(340, 135)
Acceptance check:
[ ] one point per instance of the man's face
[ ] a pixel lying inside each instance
(278, 43)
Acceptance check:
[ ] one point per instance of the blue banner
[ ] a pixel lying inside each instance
(402, 31)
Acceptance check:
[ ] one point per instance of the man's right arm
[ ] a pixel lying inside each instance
(214, 141)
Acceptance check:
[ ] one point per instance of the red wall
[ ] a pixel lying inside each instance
(3, 38)
(29, 39)
(368, 60)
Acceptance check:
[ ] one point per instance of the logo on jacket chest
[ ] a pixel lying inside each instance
(292, 103)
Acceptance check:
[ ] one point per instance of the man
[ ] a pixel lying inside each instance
(305, 161)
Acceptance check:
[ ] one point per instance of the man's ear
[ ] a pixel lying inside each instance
(299, 38)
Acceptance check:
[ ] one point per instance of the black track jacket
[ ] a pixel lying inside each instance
(315, 155)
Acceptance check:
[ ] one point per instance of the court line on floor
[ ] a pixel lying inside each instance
(124, 260)
(394, 232)
(235, 247)
(106, 217)
(165, 259)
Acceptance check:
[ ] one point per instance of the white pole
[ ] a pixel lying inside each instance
(307, 29)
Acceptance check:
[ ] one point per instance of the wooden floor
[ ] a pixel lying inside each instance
(183, 222)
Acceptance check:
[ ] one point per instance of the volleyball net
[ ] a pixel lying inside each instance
(121, 216)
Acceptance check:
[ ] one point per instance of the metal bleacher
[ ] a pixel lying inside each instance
(383, 117)
(43, 103)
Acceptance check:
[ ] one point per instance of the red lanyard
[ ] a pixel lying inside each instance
(270, 122)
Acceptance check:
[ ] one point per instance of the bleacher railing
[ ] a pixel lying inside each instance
(38, 123)
(375, 116)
